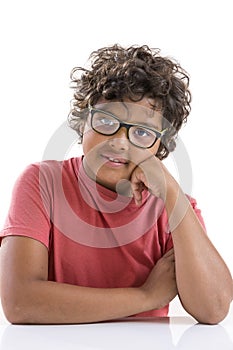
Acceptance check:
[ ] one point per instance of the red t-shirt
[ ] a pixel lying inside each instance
(95, 237)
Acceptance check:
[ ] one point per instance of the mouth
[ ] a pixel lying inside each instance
(114, 160)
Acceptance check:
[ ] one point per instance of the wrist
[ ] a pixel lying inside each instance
(147, 300)
(153, 299)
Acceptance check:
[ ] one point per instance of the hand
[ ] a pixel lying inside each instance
(160, 287)
(151, 174)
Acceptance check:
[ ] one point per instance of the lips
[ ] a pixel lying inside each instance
(115, 159)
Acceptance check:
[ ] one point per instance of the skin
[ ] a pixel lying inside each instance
(187, 269)
(97, 147)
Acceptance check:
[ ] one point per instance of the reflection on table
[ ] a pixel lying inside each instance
(131, 333)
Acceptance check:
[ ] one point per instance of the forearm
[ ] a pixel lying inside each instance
(45, 302)
(28, 297)
(204, 282)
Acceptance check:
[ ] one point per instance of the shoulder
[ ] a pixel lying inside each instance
(51, 168)
(46, 174)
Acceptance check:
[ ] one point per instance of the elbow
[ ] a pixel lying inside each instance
(20, 303)
(211, 318)
(210, 309)
(220, 307)
(214, 315)
(15, 312)
(13, 315)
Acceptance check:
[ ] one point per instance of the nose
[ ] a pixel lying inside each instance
(119, 141)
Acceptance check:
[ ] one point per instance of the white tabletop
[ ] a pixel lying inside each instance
(161, 333)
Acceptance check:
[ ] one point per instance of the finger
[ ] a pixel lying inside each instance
(137, 192)
(137, 187)
(137, 197)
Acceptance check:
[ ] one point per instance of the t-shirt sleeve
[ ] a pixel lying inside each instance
(28, 214)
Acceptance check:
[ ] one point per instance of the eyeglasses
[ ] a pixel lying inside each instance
(106, 123)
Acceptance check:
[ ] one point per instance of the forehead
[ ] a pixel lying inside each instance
(142, 111)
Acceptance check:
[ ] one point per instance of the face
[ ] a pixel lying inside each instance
(111, 159)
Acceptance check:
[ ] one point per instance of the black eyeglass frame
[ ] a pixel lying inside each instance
(158, 133)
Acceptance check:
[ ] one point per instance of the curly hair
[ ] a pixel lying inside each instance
(116, 73)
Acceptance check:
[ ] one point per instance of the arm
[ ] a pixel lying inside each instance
(203, 279)
(204, 282)
(28, 297)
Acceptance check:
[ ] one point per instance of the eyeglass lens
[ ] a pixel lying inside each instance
(106, 124)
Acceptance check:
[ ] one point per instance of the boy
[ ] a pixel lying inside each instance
(111, 234)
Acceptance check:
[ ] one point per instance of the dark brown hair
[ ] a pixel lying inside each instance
(116, 73)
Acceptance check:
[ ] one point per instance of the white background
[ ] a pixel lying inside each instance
(41, 41)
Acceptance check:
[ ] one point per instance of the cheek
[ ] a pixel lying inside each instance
(142, 155)
(87, 140)
(92, 141)
(155, 148)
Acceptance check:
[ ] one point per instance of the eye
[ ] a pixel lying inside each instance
(140, 132)
(105, 121)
